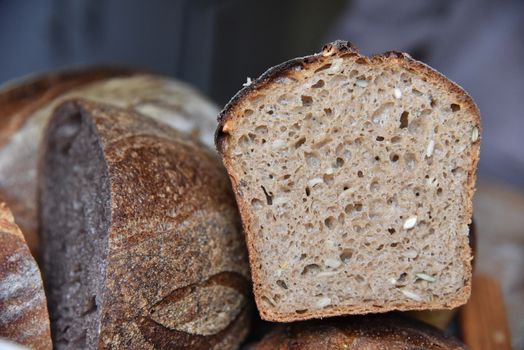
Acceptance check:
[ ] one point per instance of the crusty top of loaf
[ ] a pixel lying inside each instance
(339, 48)
(392, 332)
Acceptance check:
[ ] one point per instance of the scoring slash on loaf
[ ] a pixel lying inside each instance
(141, 240)
(366, 161)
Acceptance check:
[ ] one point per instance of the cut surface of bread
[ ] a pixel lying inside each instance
(77, 217)
(354, 176)
(141, 240)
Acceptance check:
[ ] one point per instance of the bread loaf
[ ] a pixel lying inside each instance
(27, 106)
(391, 332)
(20, 134)
(354, 177)
(23, 310)
(141, 240)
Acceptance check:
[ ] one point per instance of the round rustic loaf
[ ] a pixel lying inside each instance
(28, 105)
(23, 310)
(141, 239)
(392, 332)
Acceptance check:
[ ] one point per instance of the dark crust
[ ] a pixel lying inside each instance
(20, 98)
(160, 253)
(286, 69)
(361, 332)
(282, 70)
(338, 47)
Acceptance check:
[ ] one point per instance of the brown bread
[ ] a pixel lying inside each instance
(373, 332)
(26, 107)
(142, 245)
(354, 177)
(23, 310)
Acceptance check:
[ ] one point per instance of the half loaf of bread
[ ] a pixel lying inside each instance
(141, 240)
(23, 307)
(354, 177)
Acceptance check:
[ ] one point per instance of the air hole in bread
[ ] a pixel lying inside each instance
(318, 84)
(394, 157)
(346, 255)
(404, 120)
(282, 284)
(311, 269)
(330, 222)
(300, 142)
(269, 198)
(306, 100)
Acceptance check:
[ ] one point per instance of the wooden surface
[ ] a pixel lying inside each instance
(499, 215)
(483, 319)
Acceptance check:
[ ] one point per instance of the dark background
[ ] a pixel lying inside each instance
(216, 45)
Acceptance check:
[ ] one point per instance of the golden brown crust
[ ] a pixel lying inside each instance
(226, 123)
(23, 310)
(369, 332)
(177, 272)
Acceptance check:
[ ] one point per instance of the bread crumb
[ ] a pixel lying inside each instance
(474, 134)
(336, 65)
(410, 223)
(280, 200)
(278, 144)
(332, 262)
(411, 295)
(432, 182)
(431, 147)
(327, 273)
(248, 82)
(314, 182)
(362, 83)
(227, 126)
(323, 302)
(412, 254)
(397, 93)
(425, 277)
(330, 244)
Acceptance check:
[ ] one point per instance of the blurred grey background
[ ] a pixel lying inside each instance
(215, 45)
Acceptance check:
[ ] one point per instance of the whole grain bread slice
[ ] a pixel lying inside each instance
(354, 177)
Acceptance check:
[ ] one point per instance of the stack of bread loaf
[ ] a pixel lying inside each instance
(353, 179)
